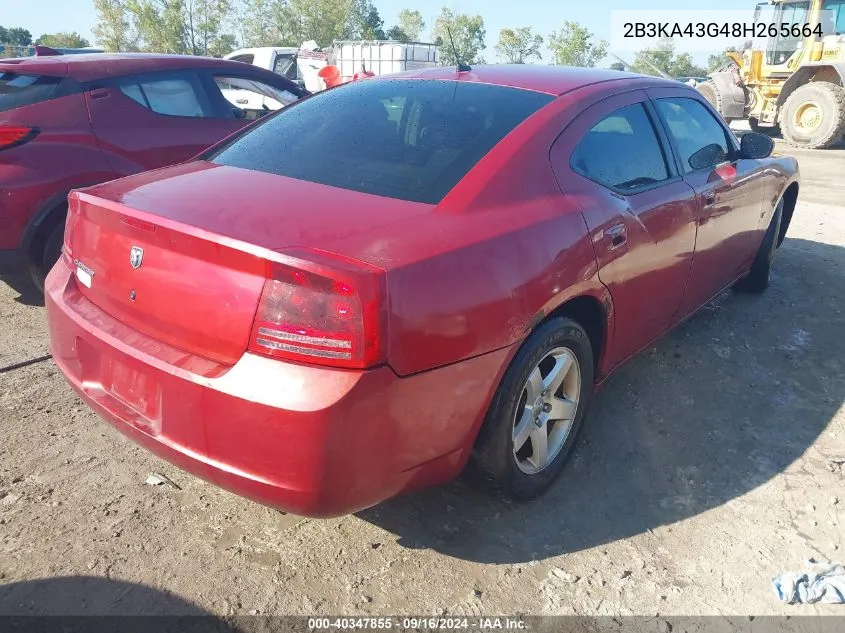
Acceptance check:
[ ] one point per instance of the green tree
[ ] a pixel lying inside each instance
(365, 22)
(320, 20)
(205, 19)
(467, 33)
(223, 45)
(517, 46)
(192, 27)
(715, 62)
(617, 66)
(15, 36)
(574, 45)
(161, 25)
(411, 23)
(396, 33)
(261, 23)
(662, 57)
(113, 31)
(684, 66)
(63, 40)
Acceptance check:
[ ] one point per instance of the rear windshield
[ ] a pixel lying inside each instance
(19, 90)
(401, 138)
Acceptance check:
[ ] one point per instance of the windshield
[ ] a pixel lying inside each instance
(836, 26)
(400, 138)
(781, 48)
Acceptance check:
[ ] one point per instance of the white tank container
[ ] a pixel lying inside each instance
(382, 57)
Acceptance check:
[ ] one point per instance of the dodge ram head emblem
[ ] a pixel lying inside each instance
(136, 256)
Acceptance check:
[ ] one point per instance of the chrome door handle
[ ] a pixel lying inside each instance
(616, 236)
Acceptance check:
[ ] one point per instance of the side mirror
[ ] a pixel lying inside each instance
(708, 156)
(754, 145)
(238, 113)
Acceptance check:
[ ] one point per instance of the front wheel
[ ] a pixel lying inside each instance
(537, 411)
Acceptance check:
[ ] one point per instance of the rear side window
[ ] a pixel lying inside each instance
(408, 139)
(285, 65)
(702, 141)
(252, 98)
(172, 94)
(621, 151)
(21, 90)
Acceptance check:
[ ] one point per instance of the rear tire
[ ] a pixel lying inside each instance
(531, 406)
(43, 260)
(757, 279)
(813, 116)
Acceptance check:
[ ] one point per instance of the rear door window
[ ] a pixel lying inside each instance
(170, 94)
(18, 90)
(622, 151)
(250, 98)
(285, 65)
(702, 141)
(403, 138)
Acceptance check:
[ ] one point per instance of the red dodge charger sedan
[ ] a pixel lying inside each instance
(381, 283)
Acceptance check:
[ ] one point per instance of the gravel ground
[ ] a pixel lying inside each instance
(709, 464)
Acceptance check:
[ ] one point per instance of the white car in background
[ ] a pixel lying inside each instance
(300, 65)
(252, 98)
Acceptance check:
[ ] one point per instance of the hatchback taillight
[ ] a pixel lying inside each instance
(14, 135)
(326, 311)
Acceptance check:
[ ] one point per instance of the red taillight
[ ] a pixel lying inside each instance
(70, 225)
(13, 135)
(329, 314)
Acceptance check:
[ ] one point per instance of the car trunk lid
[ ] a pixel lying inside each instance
(182, 254)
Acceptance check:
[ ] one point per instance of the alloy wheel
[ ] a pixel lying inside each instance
(546, 410)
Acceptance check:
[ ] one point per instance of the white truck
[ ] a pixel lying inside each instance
(350, 56)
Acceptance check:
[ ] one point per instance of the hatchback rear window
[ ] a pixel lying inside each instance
(402, 138)
(18, 90)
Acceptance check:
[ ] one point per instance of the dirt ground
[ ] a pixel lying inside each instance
(709, 464)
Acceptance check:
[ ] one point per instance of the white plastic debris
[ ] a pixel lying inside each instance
(155, 479)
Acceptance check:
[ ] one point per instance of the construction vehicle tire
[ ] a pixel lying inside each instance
(813, 116)
(710, 91)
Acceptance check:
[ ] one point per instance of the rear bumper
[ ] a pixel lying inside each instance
(312, 441)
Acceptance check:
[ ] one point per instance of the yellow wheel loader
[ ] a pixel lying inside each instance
(797, 83)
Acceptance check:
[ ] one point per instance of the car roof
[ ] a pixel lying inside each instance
(92, 66)
(554, 80)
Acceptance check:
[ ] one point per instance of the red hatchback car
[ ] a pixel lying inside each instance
(360, 294)
(76, 120)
